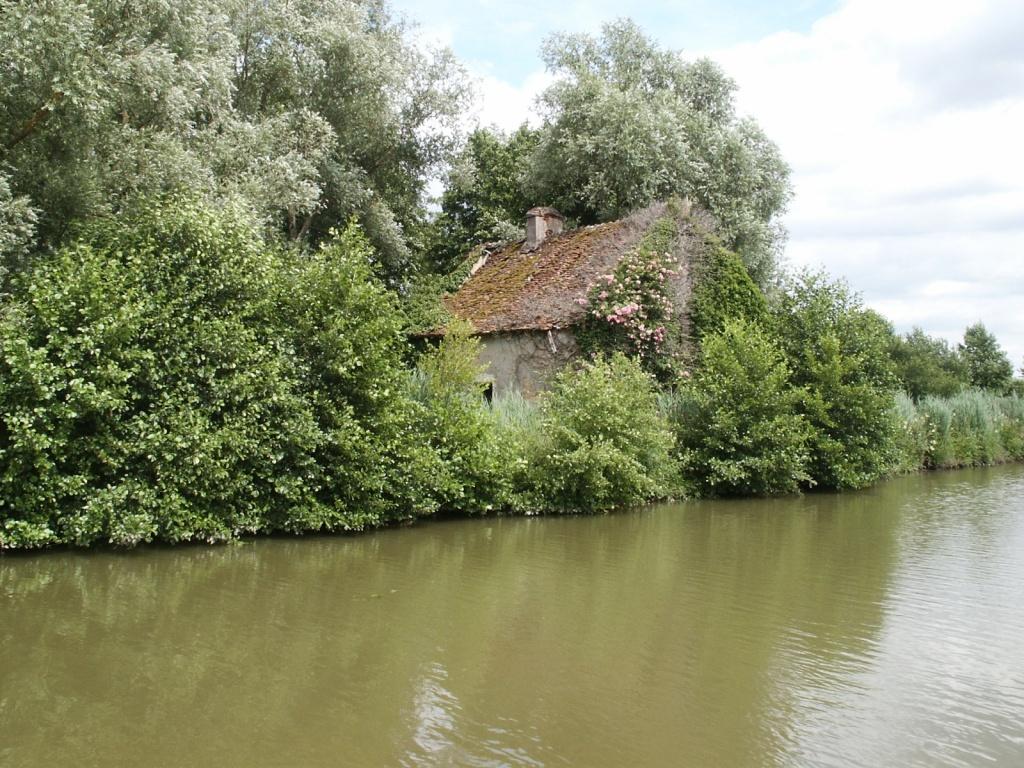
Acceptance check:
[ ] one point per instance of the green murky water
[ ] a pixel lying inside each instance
(869, 629)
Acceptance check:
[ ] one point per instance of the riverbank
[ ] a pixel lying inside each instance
(173, 377)
(969, 430)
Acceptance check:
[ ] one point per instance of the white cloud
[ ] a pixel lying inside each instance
(506, 105)
(429, 36)
(903, 121)
(498, 104)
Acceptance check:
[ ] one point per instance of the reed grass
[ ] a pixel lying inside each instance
(515, 412)
(970, 429)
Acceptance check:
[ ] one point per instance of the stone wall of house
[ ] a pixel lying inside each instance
(525, 360)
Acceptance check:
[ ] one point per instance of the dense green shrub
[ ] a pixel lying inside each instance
(722, 290)
(474, 470)
(169, 377)
(602, 441)
(737, 422)
(345, 330)
(135, 383)
(839, 353)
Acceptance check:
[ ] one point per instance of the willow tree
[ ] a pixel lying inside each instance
(17, 226)
(627, 122)
(312, 111)
(391, 107)
(98, 100)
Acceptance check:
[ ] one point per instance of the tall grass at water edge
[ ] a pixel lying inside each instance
(970, 429)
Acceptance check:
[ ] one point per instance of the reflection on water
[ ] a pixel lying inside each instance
(877, 628)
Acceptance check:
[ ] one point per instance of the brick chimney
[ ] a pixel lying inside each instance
(541, 223)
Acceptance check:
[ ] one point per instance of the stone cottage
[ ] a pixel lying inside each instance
(525, 298)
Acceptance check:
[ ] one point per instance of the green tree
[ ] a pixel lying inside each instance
(392, 109)
(17, 227)
(98, 99)
(738, 422)
(838, 352)
(311, 111)
(987, 364)
(627, 123)
(484, 198)
(925, 365)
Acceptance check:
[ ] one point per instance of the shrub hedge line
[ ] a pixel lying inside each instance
(171, 377)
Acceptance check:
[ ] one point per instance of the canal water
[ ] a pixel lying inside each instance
(880, 628)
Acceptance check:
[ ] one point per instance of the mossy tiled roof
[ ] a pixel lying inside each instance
(538, 290)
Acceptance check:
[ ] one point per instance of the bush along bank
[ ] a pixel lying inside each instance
(169, 376)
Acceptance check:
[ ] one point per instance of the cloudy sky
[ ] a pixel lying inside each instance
(903, 121)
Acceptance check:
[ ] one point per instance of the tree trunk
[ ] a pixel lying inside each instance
(36, 120)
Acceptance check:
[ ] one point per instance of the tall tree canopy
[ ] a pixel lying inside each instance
(926, 365)
(987, 363)
(627, 122)
(99, 99)
(311, 110)
(17, 226)
(484, 197)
